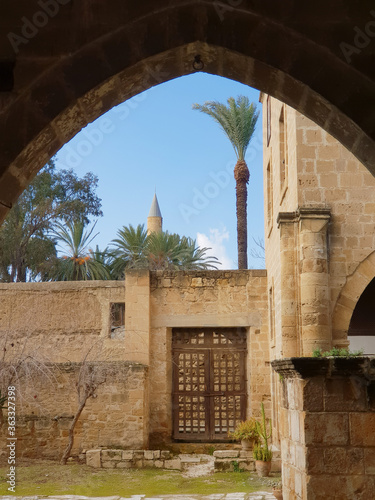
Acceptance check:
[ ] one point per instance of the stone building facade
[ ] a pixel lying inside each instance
(190, 340)
(319, 229)
(320, 259)
(190, 352)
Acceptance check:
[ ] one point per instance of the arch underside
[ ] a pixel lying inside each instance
(349, 297)
(60, 87)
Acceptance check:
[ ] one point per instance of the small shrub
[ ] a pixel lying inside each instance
(337, 352)
(245, 430)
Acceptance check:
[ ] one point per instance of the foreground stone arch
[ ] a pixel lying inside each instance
(87, 58)
(348, 298)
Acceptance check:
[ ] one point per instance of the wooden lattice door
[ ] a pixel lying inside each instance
(209, 382)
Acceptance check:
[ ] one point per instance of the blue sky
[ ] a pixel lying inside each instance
(156, 141)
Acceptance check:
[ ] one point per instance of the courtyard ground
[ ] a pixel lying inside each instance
(48, 478)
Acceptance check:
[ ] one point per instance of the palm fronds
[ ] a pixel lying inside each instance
(237, 120)
(79, 263)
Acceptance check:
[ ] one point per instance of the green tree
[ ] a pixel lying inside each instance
(80, 263)
(171, 251)
(237, 120)
(26, 250)
(129, 249)
(158, 251)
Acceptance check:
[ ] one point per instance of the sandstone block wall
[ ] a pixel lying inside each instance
(329, 175)
(63, 319)
(206, 299)
(327, 428)
(306, 169)
(116, 416)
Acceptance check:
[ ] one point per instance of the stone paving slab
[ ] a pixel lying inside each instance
(258, 495)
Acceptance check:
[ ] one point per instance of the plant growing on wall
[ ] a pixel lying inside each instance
(336, 352)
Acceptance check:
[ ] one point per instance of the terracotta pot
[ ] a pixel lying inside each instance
(247, 444)
(262, 468)
(277, 493)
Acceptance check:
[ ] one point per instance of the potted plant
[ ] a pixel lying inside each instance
(246, 432)
(261, 452)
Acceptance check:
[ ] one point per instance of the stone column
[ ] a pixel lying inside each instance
(137, 315)
(288, 284)
(327, 422)
(314, 280)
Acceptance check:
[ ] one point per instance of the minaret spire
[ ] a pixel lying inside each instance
(154, 219)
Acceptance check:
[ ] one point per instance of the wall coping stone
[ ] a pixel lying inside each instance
(210, 273)
(307, 367)
(62, 285)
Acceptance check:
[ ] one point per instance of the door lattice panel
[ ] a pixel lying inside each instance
(192, 415)
(228, 411)
(209, 382)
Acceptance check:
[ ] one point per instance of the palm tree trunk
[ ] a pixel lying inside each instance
(242, 176)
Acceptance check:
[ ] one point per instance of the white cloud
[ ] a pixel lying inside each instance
(215, 241)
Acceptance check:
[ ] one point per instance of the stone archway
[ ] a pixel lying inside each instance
(348, 299)
(66, 69)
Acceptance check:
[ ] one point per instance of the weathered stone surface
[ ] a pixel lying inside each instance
(111, 455)
(226, 453)
(93, 458)
(149, 463)
(124, 464)
(190, 460)
(333, 451)
(174, 463)
(109, 464)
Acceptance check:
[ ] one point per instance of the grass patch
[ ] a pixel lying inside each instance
(49, 478)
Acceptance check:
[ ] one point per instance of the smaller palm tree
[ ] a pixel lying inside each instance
(104, 257)
(164, 251)
(129, 249)
(194, 257)
(79, 263)
(158, 251)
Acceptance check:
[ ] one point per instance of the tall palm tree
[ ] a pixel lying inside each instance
(79, 263)
(237, 120)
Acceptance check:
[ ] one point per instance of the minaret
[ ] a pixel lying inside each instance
(154, 219)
